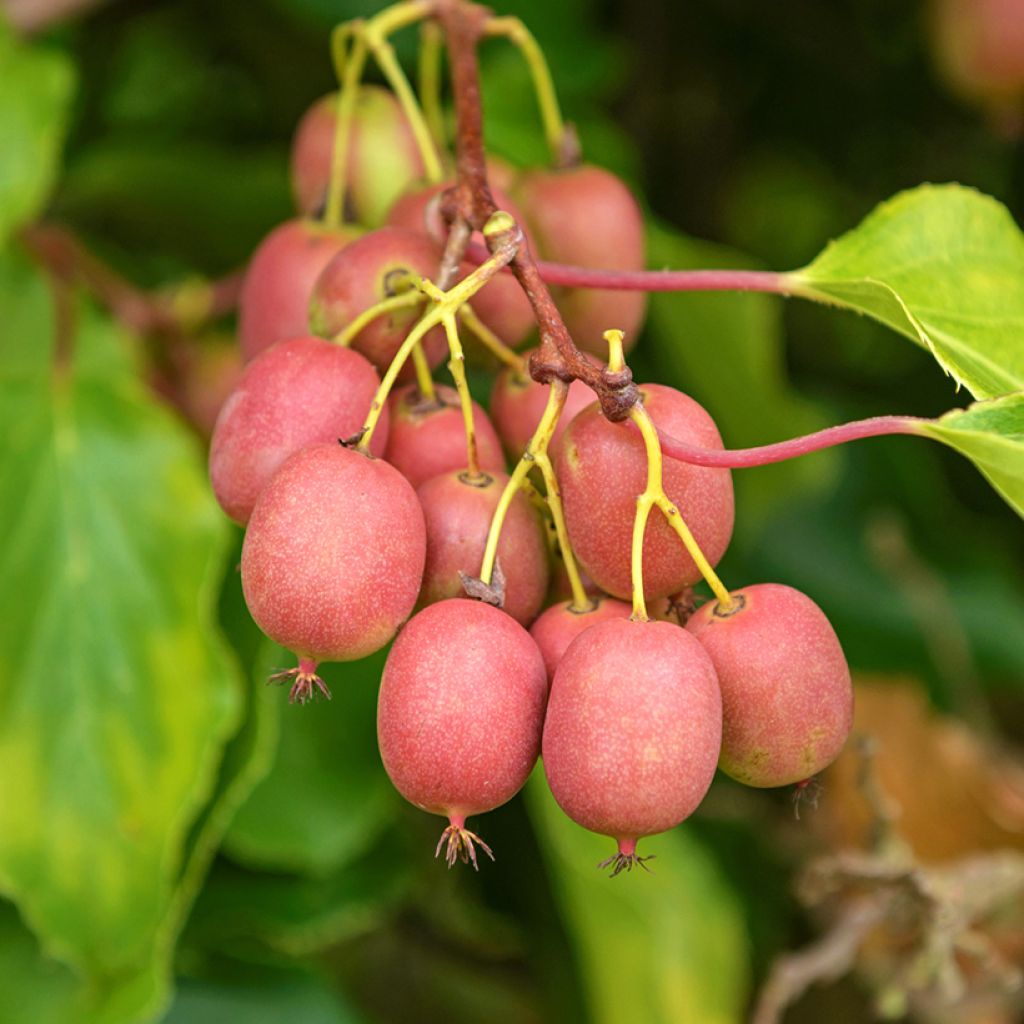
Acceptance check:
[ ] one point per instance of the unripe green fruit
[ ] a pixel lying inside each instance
(602, 468)
(787, 700)
(428, 438)
(274, 301)
(587, 217)
(333, 556)
(297, 393)
(633, 730)
(383, 158)
(458, 509)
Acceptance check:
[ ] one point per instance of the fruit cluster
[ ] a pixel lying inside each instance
(365, 503)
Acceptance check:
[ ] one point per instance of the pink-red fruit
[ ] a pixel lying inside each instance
(460, 714)
(587, 217)
(383, 158)
(458, 509)
(602, 468)
(518, 402)
(979, 46)
(560, 624)
(364, 273)
(501, 304)
(633, 730)
(297, 393)
(787, 701)
(274, 300)
(333, 556)
(428, 437)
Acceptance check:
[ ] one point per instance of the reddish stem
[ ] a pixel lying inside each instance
(141, 311)
(764, 455)
(569, 276)
(665, 280)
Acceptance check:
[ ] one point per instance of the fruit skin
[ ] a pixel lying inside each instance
(383, 158)
(298, 392)
(633, 729)
(274, 300)
(501, 304)
(427, 439)
(458, 510)
(586, 216)
(333, 556)
(602, 468)
(979, 47)
(518, 402)
(360, 276)
(787, 699)
(461, 708)
(556, 627)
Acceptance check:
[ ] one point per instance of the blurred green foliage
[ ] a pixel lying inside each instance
(131, 752)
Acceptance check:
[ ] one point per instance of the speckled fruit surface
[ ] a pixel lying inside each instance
(633, 728)
(363, 274)
(586, 216)
(428, 438)
(602, 468)
(458, 511)
(517, 405)
(333, 556)
(274, 301)
(556, 627)
(461, 708)
(787, 698)
(298, 392)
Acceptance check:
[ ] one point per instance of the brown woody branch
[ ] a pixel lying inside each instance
(470, 203)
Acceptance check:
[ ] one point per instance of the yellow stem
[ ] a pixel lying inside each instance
(385, 56)
(538, 445)
(491, 341)
(540, 503)
(547, 99)
(616, 357)
(444, 304)
(348, 67)
(424, 378)
(654, 494)
(431, 41)
(382, 308)
(457, 366)
(580, 599)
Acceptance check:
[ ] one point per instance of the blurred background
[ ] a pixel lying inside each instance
(266, 870)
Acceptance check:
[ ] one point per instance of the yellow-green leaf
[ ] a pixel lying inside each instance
(991, 435)
(34, 103)
(943, 265)
(117, 695)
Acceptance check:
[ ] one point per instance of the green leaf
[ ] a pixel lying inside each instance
(991, 435)
(661, 949)
(272, 997)
(326, 798)
(727, 352)
(117, 696)
(33, 988)
(34, 104)
(944, 265)
(294, 914)
(196, 208)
